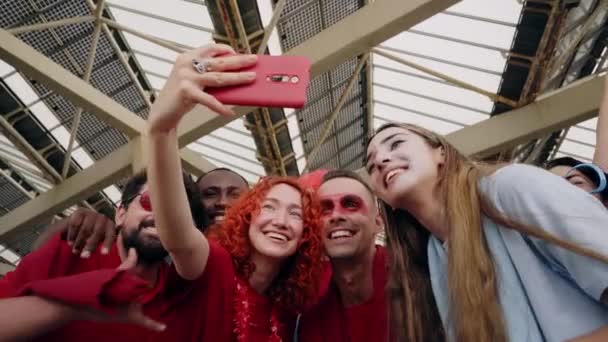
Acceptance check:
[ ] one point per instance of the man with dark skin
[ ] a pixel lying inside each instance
(219, 189)
(86, 229)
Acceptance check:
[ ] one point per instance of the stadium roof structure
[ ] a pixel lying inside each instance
(503, 79)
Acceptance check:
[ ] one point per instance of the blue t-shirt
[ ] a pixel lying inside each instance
(547, 293)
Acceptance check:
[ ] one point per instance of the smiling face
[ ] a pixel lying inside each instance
(350, 218)
(276, 230)
(137, 229)
(219, 189)
(400, 164)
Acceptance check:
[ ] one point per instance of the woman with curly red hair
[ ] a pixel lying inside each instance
(253, 246)
(263, 265)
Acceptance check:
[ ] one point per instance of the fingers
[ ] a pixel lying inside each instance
(151, 324)
(237, 62)
(110, 237)
(130, 262)
(213, 50)
(136, 315)
(98, 233)
(224, 79)
(210, 101)
(74, 223)
(84, 232)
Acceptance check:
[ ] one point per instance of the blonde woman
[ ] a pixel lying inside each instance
(495, 254)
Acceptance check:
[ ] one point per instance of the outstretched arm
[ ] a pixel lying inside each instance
(25, 318)
(184, 89)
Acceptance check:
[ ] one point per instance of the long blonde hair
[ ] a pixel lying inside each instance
(474, 310)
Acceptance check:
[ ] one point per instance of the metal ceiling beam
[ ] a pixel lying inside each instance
(37, 66)
(83, 184)
(384, 19)
(550, 112)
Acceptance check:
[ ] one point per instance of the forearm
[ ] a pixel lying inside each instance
(25, 318)
(600, 156)
(187, 246)
(171, 209)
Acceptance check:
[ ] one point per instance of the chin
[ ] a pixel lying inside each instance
(340, 253)
(276, 252)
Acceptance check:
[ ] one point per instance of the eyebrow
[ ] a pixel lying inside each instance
(569, 177)
(276, 201)
(384, 141)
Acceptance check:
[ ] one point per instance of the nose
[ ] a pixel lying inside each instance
(222, 201)
(382, 159)
(280, 219)
(336, 217)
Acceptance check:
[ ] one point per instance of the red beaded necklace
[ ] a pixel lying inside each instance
(243, 307)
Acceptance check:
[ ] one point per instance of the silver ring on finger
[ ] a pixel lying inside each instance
(201, 67)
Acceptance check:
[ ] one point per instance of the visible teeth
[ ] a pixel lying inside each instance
(340, 234)
(219, 217)
(393, 173)
(276, 236)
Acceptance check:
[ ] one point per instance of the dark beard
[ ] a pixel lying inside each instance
(149, 252)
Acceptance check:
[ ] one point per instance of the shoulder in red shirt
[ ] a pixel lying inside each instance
(329, 320)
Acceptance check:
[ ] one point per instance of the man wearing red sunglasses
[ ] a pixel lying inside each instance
(353, 307)
(55, 295)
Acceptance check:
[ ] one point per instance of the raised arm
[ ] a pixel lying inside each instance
(184, 89)
(600, 157)
(534, 196)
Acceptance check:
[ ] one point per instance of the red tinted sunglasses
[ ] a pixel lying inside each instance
(144, 201)
(344, 204)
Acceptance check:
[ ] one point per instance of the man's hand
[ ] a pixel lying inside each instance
(86, 229)
(129, 314)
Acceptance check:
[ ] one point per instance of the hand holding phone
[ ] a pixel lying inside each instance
(281, 81)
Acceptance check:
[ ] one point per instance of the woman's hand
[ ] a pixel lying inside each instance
(186, 85)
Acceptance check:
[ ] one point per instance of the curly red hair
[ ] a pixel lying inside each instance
(298, 282)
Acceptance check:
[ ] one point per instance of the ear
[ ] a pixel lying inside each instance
(439, 154)
(119, 216)
(379, 223)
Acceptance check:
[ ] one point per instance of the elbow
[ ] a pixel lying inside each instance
(186, 264)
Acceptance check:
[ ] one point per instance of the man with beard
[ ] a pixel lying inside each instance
(85, 229)
(353, 307)
(55, 295)
(219, 189)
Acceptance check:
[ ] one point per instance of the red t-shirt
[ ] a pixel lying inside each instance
(198, 310)
(329, 320)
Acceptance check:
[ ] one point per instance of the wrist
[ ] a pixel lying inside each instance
(156, 129)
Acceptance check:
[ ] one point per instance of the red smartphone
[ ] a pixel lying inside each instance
(281, 81)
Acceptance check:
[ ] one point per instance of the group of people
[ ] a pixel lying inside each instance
(474, 252)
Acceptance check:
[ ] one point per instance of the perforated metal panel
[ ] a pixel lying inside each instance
(69, 46)
(22, 243)
(10, 196)
(300, 21)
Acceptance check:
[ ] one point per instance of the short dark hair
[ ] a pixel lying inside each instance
(222, 169)
(137, 181)
(563, 161)
(346, 174)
